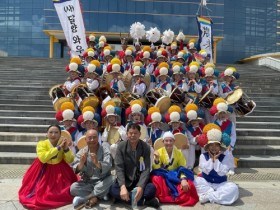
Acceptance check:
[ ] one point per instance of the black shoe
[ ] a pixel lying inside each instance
(154, 202)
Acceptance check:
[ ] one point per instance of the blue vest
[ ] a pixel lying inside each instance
(114, 85)
(154, 136)
(213, 176)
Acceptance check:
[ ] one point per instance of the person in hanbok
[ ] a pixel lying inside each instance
(46, 184)
(173, 181)
(212, 186)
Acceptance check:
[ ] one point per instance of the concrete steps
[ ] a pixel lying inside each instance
(257, 132)
(26, 110)
(258, 161)
(27, 107)
(23, 128)
(14, 147)
(25, 102)
(258, 140)
(251, 118)
(258, 125)
(257, 150)
(8, 97)
(26, 113)
(21, 137)
(17, 158)
(28, 120)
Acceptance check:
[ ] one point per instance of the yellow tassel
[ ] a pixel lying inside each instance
(88, 108)
(210, 126)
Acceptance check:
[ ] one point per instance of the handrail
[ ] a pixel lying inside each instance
(270, 63)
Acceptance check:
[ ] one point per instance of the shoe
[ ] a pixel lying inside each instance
(106, 198)
(154, 202)
(79, 202)
(231, 172)
(204, 198)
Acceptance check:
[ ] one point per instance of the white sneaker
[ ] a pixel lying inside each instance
(78, 202)
(106, 198)
(204, 198)
(231, 172)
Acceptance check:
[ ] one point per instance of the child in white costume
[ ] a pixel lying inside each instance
(194, 129)
(213, 186)
(111, 113)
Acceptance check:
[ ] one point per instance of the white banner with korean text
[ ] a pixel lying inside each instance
(205, 36)
(71, 19)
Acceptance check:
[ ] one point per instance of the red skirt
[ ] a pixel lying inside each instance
(189, 198)
(47, 186)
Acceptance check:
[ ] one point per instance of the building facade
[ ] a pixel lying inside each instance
(248, 27)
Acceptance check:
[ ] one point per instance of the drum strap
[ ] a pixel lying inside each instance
(225, 126)
(78, 78)
(114, 84)
(179, 130)
(195, 131)
(163, 86)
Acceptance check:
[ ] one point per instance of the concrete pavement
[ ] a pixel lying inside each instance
(259, 189)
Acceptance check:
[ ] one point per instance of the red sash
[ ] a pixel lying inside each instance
(197, 131)
(163, 86)
(225, 125)
(71, 130)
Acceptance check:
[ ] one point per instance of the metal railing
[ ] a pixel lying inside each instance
(270, 63)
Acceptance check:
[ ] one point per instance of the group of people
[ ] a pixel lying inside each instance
(57, 177)
(124, 111)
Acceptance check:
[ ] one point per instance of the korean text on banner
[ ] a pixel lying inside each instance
(71, 19)
(205, 35)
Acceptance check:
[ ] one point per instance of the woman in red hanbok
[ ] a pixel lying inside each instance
(46, 184)
(173, 181)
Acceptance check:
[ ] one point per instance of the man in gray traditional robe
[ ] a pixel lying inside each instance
(132, 164)
(93, 163)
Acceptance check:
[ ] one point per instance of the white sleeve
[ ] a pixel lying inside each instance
(197, 87)
(168, 89)
(205, 165)
(93, 85)
(104, 136)
(223, 167)
(191, 138)
(150, 69)
(121, 86)
(69, 85)
(221, 94)
(233, 136)
(215, 90)
(122, 133)
(185, 87)
(142, 89)
(79, 135)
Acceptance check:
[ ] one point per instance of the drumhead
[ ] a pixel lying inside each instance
(113, 135)
(127, 79)
(147, 80)
(81, 143)
(92, 101)
(180, 140)
(206, 94)
(143, 132)
(163, 104)
(65, 135)
(107, 78)
(53, 88)
(57, 104)
(177, 95)
(158, 144)
(235, 96)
